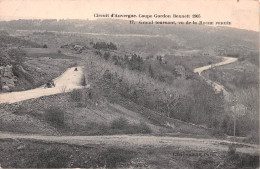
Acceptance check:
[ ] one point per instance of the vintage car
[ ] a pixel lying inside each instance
(50, 84)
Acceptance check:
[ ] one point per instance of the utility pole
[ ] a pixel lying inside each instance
(234, 126)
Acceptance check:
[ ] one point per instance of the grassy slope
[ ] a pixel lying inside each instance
(33, 66)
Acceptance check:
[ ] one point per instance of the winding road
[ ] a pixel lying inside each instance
(217, 87)
(68, 81)
(71, 79)
(197, 144)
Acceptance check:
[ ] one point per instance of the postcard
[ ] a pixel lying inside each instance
(129, 84)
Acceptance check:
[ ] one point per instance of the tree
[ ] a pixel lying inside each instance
(83, 83)
(151, 71)
(106, 55)
(237, 111)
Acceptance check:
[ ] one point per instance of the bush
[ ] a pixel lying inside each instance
(83, 81)
(55, 116)
(231, 150)
(143, 128)
(217, 132)
(122, 126)
(120, 123)
(114, 156)
(76, 95)
(45, 46)
(253, 137)
(206, 163)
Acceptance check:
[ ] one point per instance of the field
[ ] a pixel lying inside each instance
(45, 52)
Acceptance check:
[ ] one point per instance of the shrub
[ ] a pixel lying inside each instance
(143, 128)
(113, 156)
(45, 46)
(76, 95)
(54, 116)
(203, 162)
(231, 150)
(217, 132)
(106, 55)
(253, 137)
(120, 123)
(83, 81)
(122, 126)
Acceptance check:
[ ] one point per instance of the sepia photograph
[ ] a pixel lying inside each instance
(158, 84)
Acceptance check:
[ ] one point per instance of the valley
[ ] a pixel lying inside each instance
(124, 97)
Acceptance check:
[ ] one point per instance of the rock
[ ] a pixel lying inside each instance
(7, 78)
(8, 81)
(21, 147)
(8, 72)
(5, 88)
(170, 125)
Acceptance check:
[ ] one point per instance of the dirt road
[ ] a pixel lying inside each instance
(217, 87)
(208, 145)
(68, 81)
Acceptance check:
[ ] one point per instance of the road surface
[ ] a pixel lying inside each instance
(217, 87)
(68, 81)
(208, 145)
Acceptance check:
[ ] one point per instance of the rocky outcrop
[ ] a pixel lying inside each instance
(7, 78)
(180, 71)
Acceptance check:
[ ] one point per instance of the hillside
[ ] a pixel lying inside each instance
(21, 69)
(133, 84)
(170, 37)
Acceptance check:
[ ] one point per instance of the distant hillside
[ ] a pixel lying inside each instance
(9, 41)
(178, 36)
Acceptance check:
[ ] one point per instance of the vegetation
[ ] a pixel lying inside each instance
(114, 156)
(54, 157)
(172, 100)
(104, 45)
(55, 116)
(242, 107)
(123, 126)
(162, 88)
(13, 56)
(7, 40)
(41, 155)
(76, 95)
(83, 81)
(34, 154)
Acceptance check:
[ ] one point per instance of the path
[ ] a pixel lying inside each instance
(208, 145)
(68, 81)
(217, 87)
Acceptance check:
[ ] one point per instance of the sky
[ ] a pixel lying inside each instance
(243, 14)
